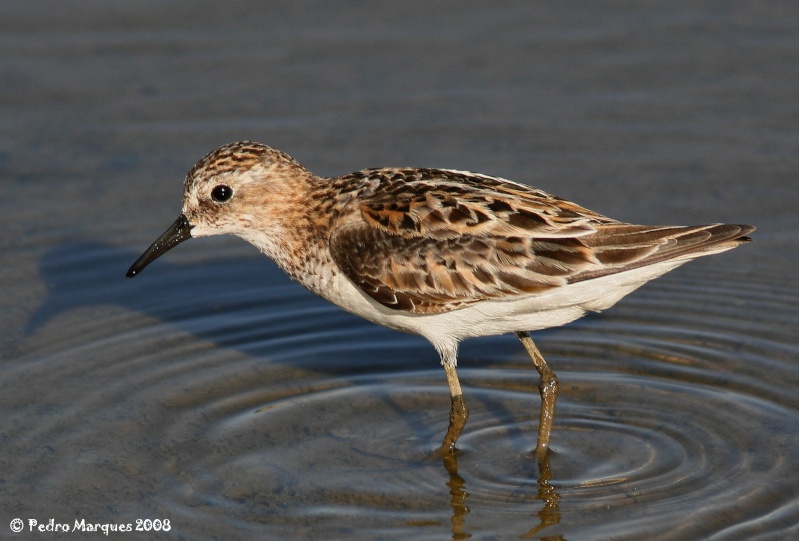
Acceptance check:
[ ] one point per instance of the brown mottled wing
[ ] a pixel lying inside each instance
(428, 275)
(431, 241)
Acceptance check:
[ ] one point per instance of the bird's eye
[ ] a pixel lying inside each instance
(221, 193)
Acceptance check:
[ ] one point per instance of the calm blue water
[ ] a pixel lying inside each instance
(214, 393)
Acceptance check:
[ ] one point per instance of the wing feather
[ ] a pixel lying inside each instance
(431, 241)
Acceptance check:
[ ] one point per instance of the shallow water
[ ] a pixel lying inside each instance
(214, 393)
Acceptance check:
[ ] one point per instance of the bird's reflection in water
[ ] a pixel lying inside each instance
(458, 495)
(548, 515)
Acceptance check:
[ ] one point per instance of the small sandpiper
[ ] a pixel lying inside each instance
(444, 254)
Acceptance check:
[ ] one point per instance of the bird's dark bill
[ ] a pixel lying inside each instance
(177, 233)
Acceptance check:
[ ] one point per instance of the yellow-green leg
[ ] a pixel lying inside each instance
(548, 387)
(458, 413)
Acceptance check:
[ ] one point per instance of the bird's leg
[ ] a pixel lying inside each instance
(548, 387)
(458, 413)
